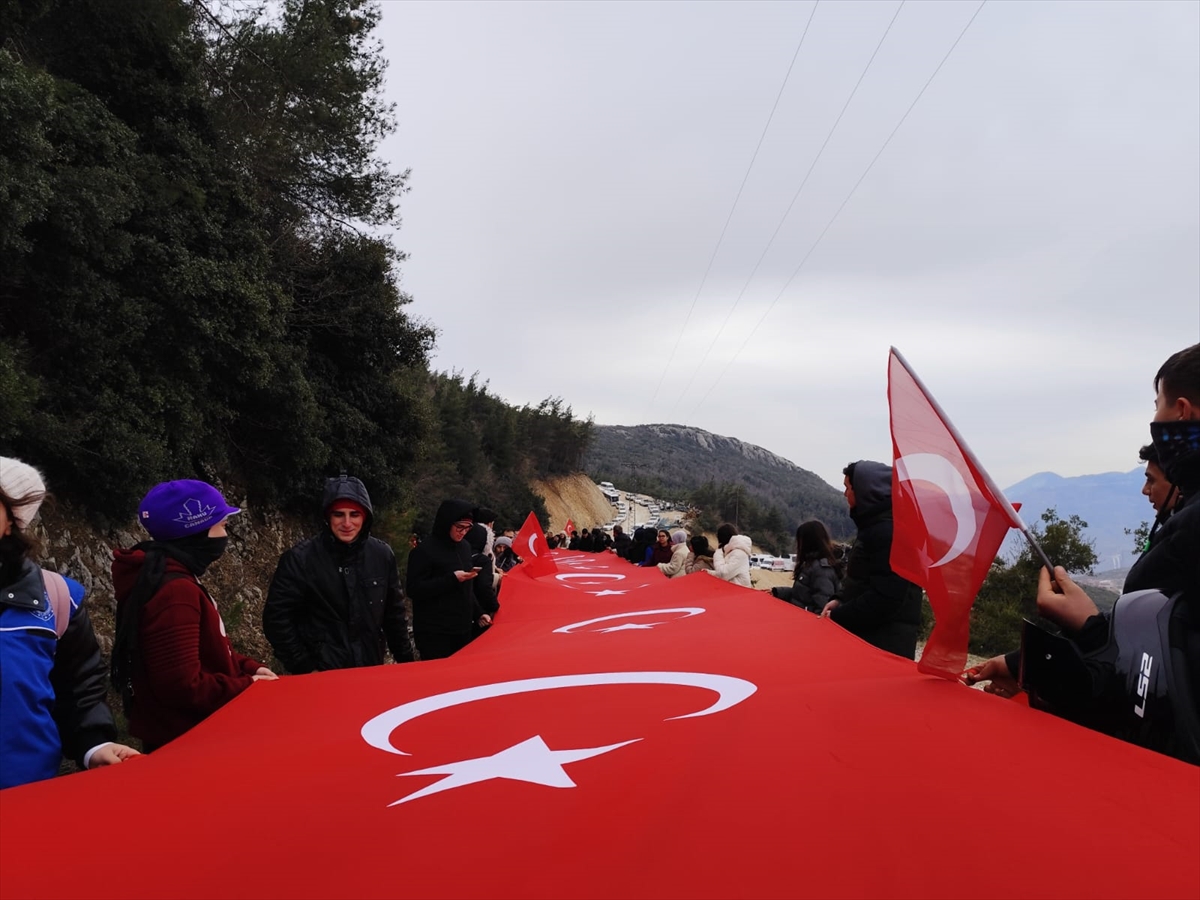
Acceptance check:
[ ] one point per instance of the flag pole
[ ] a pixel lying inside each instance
(1014, 517)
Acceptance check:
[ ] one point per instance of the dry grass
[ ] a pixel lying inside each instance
(574, 497)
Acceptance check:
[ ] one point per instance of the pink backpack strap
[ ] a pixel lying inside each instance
(60, 599)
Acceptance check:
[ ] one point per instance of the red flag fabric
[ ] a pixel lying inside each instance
(530, 545)
(949, 518)
(569, 529)
(618, 734)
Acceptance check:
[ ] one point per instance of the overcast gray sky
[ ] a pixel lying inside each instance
(1029, 239)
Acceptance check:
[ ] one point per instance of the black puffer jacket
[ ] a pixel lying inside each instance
(441, 603)
(1171, 565)
(623, 544)
(333, 605)
(816, 582)
(875, 603)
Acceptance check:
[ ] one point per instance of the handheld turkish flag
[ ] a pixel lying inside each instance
(569, 529)
(950, 518)
(530, 544)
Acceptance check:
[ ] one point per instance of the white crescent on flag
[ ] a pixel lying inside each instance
(688, 612)
(730, 692)
(939, 471)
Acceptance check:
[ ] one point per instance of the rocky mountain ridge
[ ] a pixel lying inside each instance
(1109, 502)
(673, 461)
(716, 442)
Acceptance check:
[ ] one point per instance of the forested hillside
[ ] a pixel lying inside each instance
(195, 274)
(726, 478)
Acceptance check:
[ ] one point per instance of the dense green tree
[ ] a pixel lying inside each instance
(1009, 593)
(1141, 536)
(716, 502)
(184, 289)
(297, 97)
(186, 282)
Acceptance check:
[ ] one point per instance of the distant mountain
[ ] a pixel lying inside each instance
(666, 460)
(1109, 503)
(676, 459)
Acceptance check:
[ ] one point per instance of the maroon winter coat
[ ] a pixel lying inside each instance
(185, 669)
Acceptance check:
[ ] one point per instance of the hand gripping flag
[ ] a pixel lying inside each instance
(530, 544)
(949, 516)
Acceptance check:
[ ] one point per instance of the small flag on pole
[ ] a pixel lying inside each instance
(950, 518)
(530, 544)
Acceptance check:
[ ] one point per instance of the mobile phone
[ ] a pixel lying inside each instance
(476, 568)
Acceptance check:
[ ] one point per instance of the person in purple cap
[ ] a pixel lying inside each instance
(172, 660)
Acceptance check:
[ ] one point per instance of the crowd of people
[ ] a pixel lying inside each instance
(336, 599)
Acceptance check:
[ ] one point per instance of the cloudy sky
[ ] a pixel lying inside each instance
(585, 221)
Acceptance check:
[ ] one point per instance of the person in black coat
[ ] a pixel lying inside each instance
(622, 543)
(484, 584)
(1171, 562)
(874, 602)
(440, 572)
(642, 546)
(816, 577)
(335, 599)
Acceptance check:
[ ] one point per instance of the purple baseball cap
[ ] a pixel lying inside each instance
(176, 509)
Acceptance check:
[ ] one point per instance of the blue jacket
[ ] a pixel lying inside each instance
(52, 690)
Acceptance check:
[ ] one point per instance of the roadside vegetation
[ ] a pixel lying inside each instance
(196, 276)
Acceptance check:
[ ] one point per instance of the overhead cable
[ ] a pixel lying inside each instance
(796, 196)
(729, 218)
(829, 224)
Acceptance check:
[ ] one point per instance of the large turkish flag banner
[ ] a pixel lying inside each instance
(616, 734)
(949, 518)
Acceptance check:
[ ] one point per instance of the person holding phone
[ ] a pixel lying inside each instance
(440, 572)
(485, 583)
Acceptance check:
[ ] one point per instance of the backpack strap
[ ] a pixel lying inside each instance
(60, 599)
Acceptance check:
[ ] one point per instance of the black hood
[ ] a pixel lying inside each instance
(346, 487)
(872, 483)
(448, 513)
(477, 538)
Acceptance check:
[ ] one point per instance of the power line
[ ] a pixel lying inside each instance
(729, 218)
(829, 224)
(788, 211)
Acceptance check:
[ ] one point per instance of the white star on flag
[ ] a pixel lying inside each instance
(529, 760)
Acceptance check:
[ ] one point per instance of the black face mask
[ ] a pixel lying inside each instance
(1178, 446)
(199, 551)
